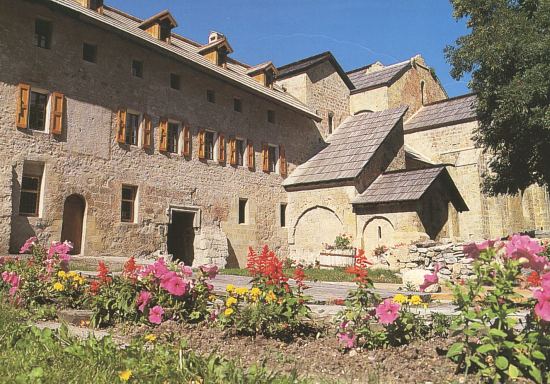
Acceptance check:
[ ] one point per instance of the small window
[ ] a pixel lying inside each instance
(282, 215)
(237, 105)
(173, 137)
(209, 143)
(127, 206)
(37, 111)
(243, 211)
(132, 128)
(89, 52)
(422, 92)
(210, 96)
(30, 196)
(272, 158)
(43, 34)
(271, 116)
(137, 68)
(379, 233)
(240, 149)
(330, 122)
(174, 81)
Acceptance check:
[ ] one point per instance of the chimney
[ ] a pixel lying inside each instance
(94, 5)
(160, 25)
(215, 36)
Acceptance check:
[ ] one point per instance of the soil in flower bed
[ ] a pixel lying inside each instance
(319, 358)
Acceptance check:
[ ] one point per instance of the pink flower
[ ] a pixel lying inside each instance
(160, 268)
(155, 314)
(62, 250)
(524, 247)
(209, 269)
(473, 250)
(542, 308)
(387, 312)
(28, 244)
(143, 300)
(209, 287)
(347, 339)
(175, 285)
(430, 279)
(187, 270)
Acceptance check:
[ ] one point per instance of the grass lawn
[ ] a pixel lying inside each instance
(378, 275)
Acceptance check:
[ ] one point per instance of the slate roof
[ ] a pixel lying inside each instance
(445, 112)
(351, 147)
(303, 65)
(382, 77)
(408, 186)
(181, 49)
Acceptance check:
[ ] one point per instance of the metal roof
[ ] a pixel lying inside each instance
(445, 112)
(351, 147)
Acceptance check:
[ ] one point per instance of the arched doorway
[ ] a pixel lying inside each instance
(73, 221)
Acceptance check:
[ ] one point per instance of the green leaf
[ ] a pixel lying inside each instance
(513, 371)
(497, 333)
(455, 349)
(536, 374)
(538, 355)
(501, 362)
(483, 349)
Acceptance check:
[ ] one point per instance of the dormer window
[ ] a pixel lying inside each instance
(160, 26)
(94, 5)
(264, 73)
(217, 49)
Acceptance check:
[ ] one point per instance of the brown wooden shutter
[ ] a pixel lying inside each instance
(202, 152)
(250, 155)
(56, 114)
(163, 135)
(121, 126)
(186, 141)
(23, 95)
(221, 148)
(232, 151)
(282, 161)
(147, 131)
(265, 158)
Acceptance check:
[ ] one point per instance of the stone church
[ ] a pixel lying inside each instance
(129, 139)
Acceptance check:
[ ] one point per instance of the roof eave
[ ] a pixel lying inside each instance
(439, 125)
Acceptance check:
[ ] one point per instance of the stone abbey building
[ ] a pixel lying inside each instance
(128, 139)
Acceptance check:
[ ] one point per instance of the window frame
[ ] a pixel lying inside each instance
(48, 37)
(176, 144)
(47, 108)
(282, 214)
(133, 201)
(94, 47)
(237, 104)
(134, 71)
(138, 138)
(243, 141)
(213, 156)
(271, 117)
(211, 96)
(275, 167)
(177, 78)
(38, 191)
(244, 219)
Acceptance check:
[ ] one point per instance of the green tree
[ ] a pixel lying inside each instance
(507, 53)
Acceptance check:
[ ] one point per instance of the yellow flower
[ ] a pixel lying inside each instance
(230, 301)
(125, 375)
(228, 311)
(255, 291)
(241, 291)
(212, 297)
(270, 297)
(150, 338)
(399, 298)
(61, 274)
(72, 274)
(415, 300)
(230, 288)
(58, 286)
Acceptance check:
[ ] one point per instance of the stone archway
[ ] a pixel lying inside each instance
(376, 232)
(72, 229)
(314, 227)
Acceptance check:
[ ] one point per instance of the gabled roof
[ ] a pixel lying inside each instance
(363, 80)
(216, 44)
(402, 186)
(180, 49)
(262, 67)
(351, 147)
(452, 111)
(161, 16)
(303, 65)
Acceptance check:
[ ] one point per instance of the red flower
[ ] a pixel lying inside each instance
(131, 269)
(360, 269)
(534, 279)
(299, 276)
(103, 273)
(266, 266)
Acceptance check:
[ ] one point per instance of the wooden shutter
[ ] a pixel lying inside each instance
(56, 114)
(221, 148)
(186, 141)
(265, 158)
(163, 135)
(250, 155)
(232, 151)
(121, 126)
(23, 95)
(202, 152)
(282, 161)
(147, 131)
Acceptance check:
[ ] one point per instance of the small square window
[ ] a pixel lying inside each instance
(271, 116)
(237, 105)
(174, 81)
(43, 34)
(127, 206)
(173, 136)
(282, 215)
(132, 128)
(89, 52)
(209, 145)
(243, 211)
(137, 68)
(210, 96)
(240, 148)
(30, 196)
(37, 111)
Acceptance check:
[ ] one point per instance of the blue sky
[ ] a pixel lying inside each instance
(357, 32)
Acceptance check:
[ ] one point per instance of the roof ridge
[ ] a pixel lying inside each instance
(435, 166)
(316, 56)
(449, 99)
(381, 69)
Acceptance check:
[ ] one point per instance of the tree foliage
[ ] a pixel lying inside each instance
(508, 55)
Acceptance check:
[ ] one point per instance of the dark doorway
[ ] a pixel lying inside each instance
(181, 236)
(73, 221)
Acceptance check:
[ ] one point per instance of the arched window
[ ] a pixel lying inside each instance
(422, 92)
(330, 122)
